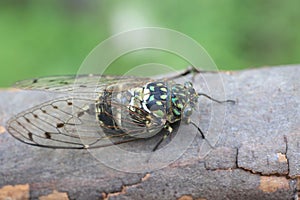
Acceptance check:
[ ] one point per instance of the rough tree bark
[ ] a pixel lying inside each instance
(256, 155)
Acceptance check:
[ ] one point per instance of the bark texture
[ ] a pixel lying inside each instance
(255, 155)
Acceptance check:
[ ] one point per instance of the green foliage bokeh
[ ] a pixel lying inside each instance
(41, 38)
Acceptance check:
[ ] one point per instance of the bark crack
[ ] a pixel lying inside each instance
(238, 166)
(256, 172)
(124, 188)
(286, 155)
(237, 158)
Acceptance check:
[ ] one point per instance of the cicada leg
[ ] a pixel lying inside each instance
(201, 133)
(166, 135)
(170, 130)
(190, 70)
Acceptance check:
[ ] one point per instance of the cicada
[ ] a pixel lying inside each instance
(96, 111)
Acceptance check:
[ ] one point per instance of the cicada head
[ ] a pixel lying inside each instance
(183, 101)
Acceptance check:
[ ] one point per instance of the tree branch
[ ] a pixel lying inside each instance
(255, 154)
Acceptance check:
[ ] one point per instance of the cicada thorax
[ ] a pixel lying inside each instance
(144, 111)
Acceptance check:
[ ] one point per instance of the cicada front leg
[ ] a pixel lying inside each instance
(169, 131)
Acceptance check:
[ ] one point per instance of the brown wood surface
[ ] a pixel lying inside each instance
(256, 155)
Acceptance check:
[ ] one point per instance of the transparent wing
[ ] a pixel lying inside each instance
(49, 124)
(78, 84)
(70, 123)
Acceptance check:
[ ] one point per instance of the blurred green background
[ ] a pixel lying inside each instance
(40, 38)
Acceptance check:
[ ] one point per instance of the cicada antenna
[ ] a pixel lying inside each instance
(215, 100)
